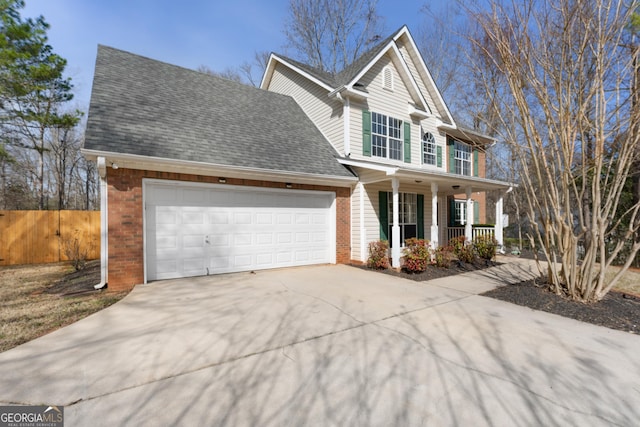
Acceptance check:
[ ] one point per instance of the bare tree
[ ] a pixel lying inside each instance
(254, 70)
(228, 73)
(64, 161)
(329, 34)
(568, 82)
(438, 38)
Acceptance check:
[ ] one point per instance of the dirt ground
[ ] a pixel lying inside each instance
(38, 299)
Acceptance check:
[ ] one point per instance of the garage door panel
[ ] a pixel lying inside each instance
(194, 266)
(242, 218)
(264, 259)
(193, 241)
(217, 230)
(218, 218)
(166, 242)
(264, 239)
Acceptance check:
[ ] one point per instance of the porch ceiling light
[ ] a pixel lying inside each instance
(455, 187)
(222, 180)
(418, 181)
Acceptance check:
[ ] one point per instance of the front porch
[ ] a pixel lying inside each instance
(397, 204)
(476, 231)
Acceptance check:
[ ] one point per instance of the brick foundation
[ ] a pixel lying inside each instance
(126, 260)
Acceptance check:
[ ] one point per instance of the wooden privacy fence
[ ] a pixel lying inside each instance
(36, 237)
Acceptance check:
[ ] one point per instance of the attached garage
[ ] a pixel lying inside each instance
(194, 229)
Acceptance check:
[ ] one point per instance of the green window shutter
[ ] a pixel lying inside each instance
(420, 216)
(452, 153)
(439, 156)
(366, 133)
(452, 212)
(407, 142)
(476, 213)
(384, 215)
(475, 162)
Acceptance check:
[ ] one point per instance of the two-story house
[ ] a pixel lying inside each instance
(200, 175)
(419, 173)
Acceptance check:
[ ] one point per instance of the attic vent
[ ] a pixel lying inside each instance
(387, 78)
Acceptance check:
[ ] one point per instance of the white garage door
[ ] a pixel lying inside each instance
(195, 230)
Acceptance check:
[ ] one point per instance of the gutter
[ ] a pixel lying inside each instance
(136, 161)
(104, 259)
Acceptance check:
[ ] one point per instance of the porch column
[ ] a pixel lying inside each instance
(468, 230)
(395, 227)
(434, 215)
(364, 244)
(499, 228)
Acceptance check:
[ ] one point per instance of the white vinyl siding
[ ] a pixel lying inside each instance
(371, 203)
(429, 91)
(391, 104)
(325, 113)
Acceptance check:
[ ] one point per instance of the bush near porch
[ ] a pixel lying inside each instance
(418, 255)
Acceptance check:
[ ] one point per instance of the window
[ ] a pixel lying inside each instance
(407, 215)
(428, 149)
(386, 137)
(460, 212)
(462, 158)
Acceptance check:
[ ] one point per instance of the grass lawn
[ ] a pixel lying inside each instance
(630, 282)
(31, 306)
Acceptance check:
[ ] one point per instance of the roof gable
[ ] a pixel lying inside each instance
(352, 73)
(144, 107)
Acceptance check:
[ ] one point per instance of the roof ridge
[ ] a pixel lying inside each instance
(348, 71)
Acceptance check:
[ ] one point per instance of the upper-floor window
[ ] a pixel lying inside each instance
(386, 137)
(462, 158)
(428, 149)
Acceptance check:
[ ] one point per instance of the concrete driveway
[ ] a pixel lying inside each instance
(328, 345)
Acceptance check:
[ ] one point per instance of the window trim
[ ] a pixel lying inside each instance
(403, 215)
(390, 123)
(459, 147)
(460, 206)
(429, 142)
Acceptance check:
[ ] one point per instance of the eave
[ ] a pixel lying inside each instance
(158, 164)
(448, 183)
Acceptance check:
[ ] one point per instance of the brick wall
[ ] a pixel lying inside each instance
(126, 262)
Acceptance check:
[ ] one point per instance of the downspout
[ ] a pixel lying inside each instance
(102, 171)
(346, 113)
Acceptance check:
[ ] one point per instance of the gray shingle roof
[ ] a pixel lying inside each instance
(349, 72)
(145, 107)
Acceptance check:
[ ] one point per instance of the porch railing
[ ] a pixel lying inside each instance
(454, 232)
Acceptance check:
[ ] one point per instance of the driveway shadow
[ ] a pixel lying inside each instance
(326, 346)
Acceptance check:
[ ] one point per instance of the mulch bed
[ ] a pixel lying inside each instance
(616, 310)
(78, 282)
(433, 272)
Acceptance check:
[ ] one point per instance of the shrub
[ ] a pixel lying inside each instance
(442, 256)
(76, 251)
(485, 246)
(416, 255)
(378, 257)
(464, 250)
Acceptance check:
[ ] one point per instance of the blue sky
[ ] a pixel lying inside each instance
(188, 33)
